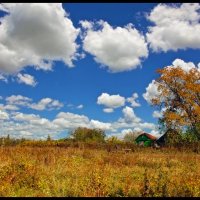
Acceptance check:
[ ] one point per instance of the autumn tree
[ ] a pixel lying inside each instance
(179, 98)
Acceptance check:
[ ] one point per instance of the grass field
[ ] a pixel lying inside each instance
(56, 171)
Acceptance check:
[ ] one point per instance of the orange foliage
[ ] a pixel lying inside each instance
(180, 95)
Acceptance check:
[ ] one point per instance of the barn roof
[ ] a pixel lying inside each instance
(148, 135)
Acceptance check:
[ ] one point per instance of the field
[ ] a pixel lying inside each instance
(57, 171)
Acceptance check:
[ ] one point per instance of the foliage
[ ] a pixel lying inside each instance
(113, 140)
(180, 96)
(86, 134)
(48, 138)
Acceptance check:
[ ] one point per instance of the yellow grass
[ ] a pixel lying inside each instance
(55, 171)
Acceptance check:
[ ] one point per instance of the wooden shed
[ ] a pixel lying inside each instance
(145, 139)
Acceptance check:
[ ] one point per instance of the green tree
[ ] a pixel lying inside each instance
(48, 138)
(7, 140)
(87, 134)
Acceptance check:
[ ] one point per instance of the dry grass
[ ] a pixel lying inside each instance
(55, 171)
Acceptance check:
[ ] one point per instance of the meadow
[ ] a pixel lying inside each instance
(27, 171)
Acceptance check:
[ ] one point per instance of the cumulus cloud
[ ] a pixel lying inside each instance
(120, 48)
(8, 107)
(137, 129)
(3, 78)
(151, 91)
(18, 100)
(25, 117)
(133, 101)
(125, 131)
(26, 79)
(46, 103)
(71, 120)
(147, 125)
(186, 66)
(35, 34)
(176, 27)
(129, 115)
(29, 126)
(111, 101)
(3, 115)
(120, 135)
(33, 119)
(43, 104)
(100, 125)
(108, 110)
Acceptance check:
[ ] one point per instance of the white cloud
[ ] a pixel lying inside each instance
(34, 120)
(129, 115)
(186, 66)
(133, 101)
(27, 79)
(3, 115)
(8, 107)
(29, 126)
(120, 49)
(176, 27)
(86, 24)
(157, 114)
(108, 110)
(46, 103)
(125, 131)
(137, 129)
(120, 135)
(151, 91)
(43, 104)
(26, 133)
(72, 106)
(70, 120)
(3, 78)
(36, 34)
(111, 101)
(100, 125)
(80, 106)
(18, 100)
(147, 125)
(25, 117)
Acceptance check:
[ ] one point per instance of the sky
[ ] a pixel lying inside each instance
(70, 65)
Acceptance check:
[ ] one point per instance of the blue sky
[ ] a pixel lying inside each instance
(77, 64)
